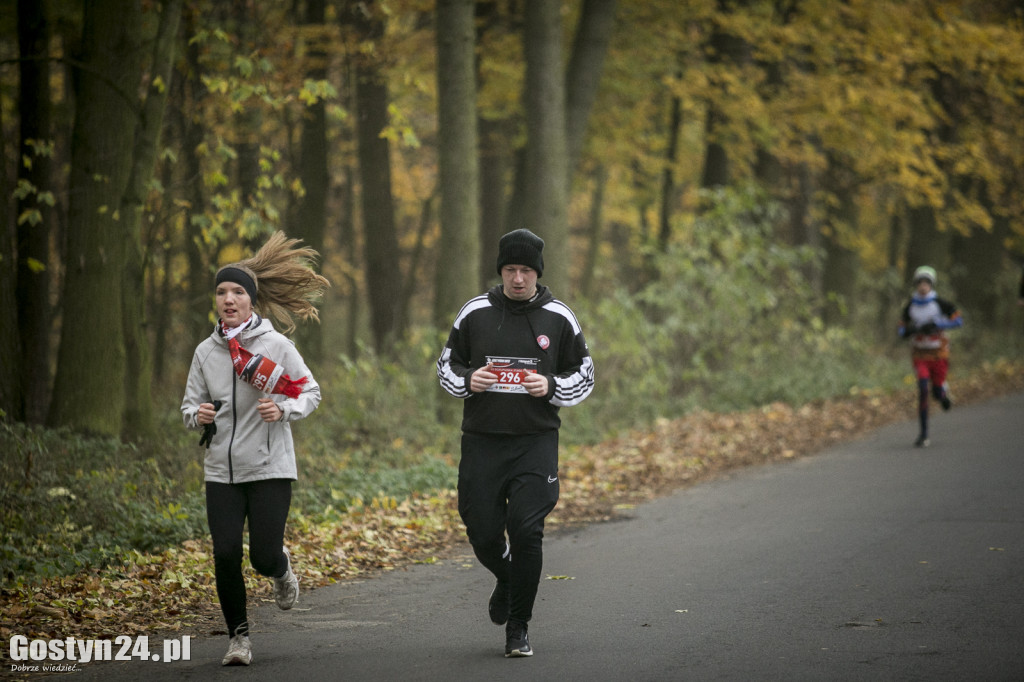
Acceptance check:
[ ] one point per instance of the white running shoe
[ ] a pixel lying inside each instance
(286, 588)
(239, 651)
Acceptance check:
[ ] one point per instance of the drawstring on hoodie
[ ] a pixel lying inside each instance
(524, 308)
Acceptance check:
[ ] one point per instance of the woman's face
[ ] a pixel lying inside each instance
(233, 304)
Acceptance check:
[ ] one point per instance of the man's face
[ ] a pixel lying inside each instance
(924, 287)
(233, 304)
(519, 282)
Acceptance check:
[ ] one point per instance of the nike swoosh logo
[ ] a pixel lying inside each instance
(552, 479)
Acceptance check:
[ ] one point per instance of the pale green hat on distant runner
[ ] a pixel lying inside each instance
(925, 272)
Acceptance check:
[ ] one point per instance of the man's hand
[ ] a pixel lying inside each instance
(536, 385)
(482, 379)
(269, 411)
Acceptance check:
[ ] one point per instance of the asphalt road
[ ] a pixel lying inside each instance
(871, 561)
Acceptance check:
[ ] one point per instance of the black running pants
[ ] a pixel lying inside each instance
(265, 504)
(507, 486)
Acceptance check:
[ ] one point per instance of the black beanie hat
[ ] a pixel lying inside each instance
(521, 247)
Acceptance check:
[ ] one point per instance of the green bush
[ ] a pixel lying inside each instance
(68, 502)
(384, 428)
(727, 321)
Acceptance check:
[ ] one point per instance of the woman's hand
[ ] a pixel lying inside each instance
(269, 411)
(206, 414)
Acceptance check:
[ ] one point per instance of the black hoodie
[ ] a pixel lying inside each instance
(540, 335)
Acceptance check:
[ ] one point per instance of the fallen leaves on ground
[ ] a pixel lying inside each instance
(173, 591)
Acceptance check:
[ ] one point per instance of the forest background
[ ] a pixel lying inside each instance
(733, 194)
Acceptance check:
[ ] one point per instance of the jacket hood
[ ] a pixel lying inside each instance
(498, 299)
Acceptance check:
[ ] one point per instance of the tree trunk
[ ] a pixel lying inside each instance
(11, 393)
(716, 159)
(515, 217)
(498, 163)
(350, 251)
(457, 272)
(771, 175)
(247, 129)
(199, 287)
(927, 246)
(889, 297)
(805, 225)
(89, 386)
(840, 278)
(35, 215)
(138, 416)
(583, 76)
(412, 276)
(668, 182)
(380, 242)
(727, 50)
(595, 226)
(546, 196)
(162, 281)
(841, 262)
(979, 267)
(495, 169)
(311, 217)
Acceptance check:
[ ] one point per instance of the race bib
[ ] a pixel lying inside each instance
(511, 372)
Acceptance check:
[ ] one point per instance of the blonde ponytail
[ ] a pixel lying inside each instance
(287, 283)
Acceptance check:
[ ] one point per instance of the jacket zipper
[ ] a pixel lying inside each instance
(234, 423)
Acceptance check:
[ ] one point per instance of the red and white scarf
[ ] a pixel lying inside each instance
(257, 370)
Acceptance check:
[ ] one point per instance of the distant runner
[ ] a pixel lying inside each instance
(924, 321)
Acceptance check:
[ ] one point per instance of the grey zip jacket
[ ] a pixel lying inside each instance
(245, 448)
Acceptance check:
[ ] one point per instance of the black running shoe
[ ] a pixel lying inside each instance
(497, 606)
(941, 394)
(517, 642)
(922, 442)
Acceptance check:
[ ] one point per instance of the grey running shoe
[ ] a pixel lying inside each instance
(239, 651)
(286, 588)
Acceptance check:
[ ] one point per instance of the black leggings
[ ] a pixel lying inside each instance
(265, 504)
(508, 485)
